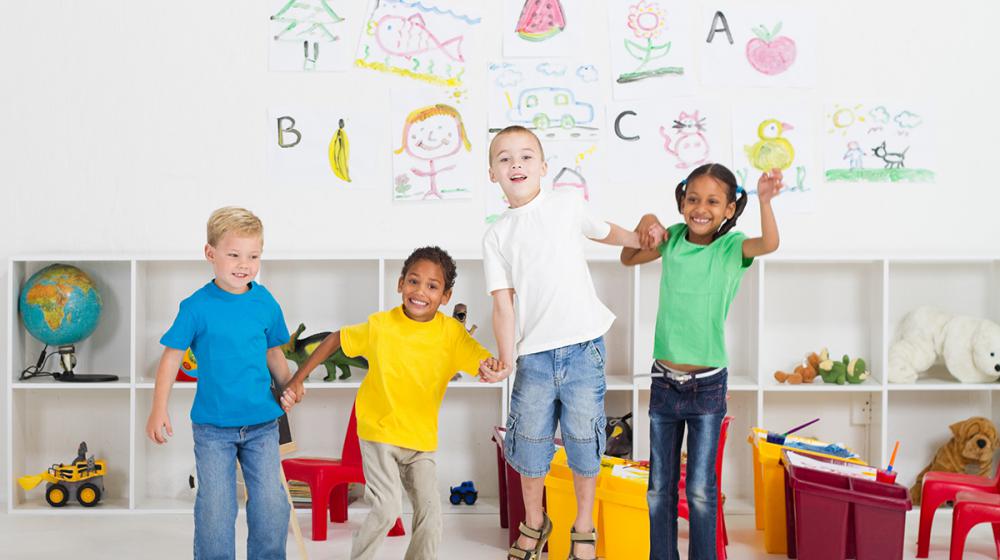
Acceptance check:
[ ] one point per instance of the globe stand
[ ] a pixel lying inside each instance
(67, 357)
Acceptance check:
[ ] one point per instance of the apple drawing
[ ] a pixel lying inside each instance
(770, 53)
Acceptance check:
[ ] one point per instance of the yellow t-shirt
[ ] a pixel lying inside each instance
(409, 366)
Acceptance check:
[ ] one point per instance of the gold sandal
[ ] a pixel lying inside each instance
(575, 537)
(541, 536)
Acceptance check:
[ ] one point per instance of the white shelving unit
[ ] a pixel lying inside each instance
(785, 308)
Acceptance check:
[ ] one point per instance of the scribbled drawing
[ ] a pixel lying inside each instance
(893, 160)
(431, 134)
(339, 153)
(690, 146)
(854, 155)
(540, 20)
(571, 178)
(796, 184)
(543, 107)
(770, 53)
(587, 73)
(551, 69)
(907, 120)
(647, 21)
(509, 78)
(416, 40)
(843, 118)
(310, 22)
(772, 150)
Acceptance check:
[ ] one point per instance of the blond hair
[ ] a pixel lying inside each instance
(515, 129)
(232, 219)
(425, 113)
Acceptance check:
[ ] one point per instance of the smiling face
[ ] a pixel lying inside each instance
(235, 260)
(435, 137)
(518, 165)
(423, 289)
(704, 207)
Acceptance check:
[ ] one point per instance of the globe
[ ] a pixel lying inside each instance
(60, 305)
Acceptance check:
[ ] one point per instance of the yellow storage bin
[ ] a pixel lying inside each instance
(769, 487)
(560, 503)
(625, 514)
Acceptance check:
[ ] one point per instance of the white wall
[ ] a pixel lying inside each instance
(125, 123)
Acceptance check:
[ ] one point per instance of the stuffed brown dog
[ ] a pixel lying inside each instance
(973, 442)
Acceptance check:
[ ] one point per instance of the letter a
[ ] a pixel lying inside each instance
(291, 129)
(719, 18)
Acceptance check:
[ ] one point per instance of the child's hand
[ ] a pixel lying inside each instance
(158, 421)
(651, 232)
(292, 395)
(769, 185)
(492, 370)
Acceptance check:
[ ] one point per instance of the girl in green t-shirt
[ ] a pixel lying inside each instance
(703, 263)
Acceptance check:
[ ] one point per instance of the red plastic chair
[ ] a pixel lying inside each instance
(328, 480)
(971, 509)
(940, 487)
(721, 535)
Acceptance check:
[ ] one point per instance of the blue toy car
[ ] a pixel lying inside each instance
(465, 492)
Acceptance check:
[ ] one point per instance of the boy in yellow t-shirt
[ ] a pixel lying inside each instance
(412, 351)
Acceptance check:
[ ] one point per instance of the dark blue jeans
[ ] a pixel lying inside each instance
(700, 405)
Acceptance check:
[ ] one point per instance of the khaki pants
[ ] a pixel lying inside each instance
(388, 471)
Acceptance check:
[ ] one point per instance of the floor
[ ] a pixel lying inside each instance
(466, 536)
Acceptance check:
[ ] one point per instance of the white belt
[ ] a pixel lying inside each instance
(681, 376)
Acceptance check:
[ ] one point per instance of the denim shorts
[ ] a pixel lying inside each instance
(565, 386)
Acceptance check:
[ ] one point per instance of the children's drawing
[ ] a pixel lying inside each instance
(877, 143)
(533, 28)
(572, 167)
(759, 44)
(545, 96)
(421, 40)
(310, 146)
(651, 49)
(666, 138)
(308, 35)
(431, 161)
(776, 135)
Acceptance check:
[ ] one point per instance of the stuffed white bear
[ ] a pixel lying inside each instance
(968, 346)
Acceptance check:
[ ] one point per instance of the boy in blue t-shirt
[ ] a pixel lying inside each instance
(235, 328)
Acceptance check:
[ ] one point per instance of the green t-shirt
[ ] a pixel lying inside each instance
(697, 285)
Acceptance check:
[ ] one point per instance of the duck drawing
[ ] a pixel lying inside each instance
(771, 151)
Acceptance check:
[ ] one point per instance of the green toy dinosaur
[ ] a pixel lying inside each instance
(845, 371)
(298, 350)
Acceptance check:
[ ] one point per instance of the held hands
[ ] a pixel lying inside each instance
(769, 185)
(492, 370)
(651, 232)
(292, 395)
(159, 421)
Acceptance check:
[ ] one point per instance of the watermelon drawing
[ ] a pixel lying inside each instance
(540, 20)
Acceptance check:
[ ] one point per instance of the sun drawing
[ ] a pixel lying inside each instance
(843, 117)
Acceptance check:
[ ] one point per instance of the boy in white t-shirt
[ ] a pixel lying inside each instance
(535, 250)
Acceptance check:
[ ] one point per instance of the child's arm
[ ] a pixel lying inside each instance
(277, 365)
(503, 329)
(295, 389)
(768, 186)
(651, 234)
(166, 373)
(621, 237)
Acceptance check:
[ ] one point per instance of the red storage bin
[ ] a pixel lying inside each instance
(834, 516)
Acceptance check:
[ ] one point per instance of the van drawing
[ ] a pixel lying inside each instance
(550, 106)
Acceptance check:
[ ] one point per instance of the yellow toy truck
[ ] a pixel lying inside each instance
(84, 477)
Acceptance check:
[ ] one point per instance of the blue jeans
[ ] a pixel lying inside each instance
(216, 451)
(564, 385)
(701, 405)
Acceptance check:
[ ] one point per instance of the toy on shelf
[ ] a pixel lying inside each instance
(805, 372)
(845, 371)
(298, 350)
(973, 442)
(84, 478)
(968, 346)
(188, 372)
(461, 313)
(465, 492)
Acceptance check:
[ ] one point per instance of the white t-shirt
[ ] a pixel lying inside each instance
(537, 250)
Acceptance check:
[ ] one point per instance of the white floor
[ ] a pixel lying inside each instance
(466, 536)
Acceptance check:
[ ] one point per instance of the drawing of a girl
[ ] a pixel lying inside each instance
(430, 134)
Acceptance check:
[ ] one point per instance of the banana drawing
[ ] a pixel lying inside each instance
(339, 153)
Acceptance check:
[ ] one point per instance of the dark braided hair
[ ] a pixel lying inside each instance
(437, 256)
(720, 173)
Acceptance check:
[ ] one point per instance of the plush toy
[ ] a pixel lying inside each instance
(972, 442)
(845, 371)
(803, 373)
(968, 346)
(298, 350)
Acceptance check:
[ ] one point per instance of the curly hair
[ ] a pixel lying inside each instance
(437, 256)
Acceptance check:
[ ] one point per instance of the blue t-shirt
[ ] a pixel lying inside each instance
(230, 335)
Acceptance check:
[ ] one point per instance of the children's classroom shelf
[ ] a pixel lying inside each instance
(785, 308)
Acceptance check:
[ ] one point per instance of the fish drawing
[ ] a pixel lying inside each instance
(409, 36)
